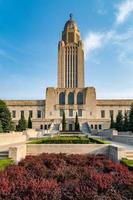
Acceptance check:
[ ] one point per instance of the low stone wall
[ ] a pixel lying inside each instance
(11, 138)
(17, 153)
(116, 153)
(126, 139)
(35, 149)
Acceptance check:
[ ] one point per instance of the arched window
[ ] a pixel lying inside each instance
(62, 98)
(71, 98)
(80, 98)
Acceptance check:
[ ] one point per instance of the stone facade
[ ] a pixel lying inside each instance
(70, 96)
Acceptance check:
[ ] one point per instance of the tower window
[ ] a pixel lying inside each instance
(71, 98)
(80, 98)
(102, 113)
(39, 114)
(62, 98)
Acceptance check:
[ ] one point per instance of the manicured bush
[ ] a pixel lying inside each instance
(68, 140)
(66, 177)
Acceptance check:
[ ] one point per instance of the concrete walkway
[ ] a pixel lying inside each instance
(126, 146)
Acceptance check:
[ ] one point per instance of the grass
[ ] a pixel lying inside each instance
(5, 163)
(128, 163)
(68, 140)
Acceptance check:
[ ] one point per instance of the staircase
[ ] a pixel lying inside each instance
(3, 154)
(129, 154)
(85, 128)
(55, 128)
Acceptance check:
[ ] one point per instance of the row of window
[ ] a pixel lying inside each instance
(22, 113)
(45, 126)
(111, 113)
(62, 98)
(96, 126)
(71, 112)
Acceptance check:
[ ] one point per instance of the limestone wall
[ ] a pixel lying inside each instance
(12, 138)
(35, 149)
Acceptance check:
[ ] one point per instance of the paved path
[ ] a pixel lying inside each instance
(126, 146)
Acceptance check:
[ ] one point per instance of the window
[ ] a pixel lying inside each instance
(80, 98)
(90, 113)
(31, 113)
(61, 112)
(120, 111)
(14, 113)
(41, 126)
(71, 98)
(100, 126)
(102, 113)
(79, 112)
(45, 127)
(111, 113)
(71, 112)
(22, 113)
(96, 126)
(91, 126)
(39, 114)
(62, 98)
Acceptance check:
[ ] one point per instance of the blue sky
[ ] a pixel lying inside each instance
(31, 29)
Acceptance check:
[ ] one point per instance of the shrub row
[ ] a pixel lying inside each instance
(66, 177)
(68, 140)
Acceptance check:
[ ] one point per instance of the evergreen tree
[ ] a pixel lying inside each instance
(22, 124)
(5, 117)
(77, 128)
(1, 129)
(63, 122)
(29, 122)
(119, 122)
(131, 119)
(112, 123)
(125, 123)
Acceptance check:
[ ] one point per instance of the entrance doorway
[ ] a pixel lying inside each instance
(70, 127)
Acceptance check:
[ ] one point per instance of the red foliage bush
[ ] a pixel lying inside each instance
(66, 177)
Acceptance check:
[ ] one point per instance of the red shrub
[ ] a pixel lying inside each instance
(66, 177)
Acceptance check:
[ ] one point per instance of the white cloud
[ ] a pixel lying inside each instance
(124, 10)
(92, 41)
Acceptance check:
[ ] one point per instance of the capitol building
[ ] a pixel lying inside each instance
(71, 95)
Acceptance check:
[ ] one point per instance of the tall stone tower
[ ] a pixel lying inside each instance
(70, 57)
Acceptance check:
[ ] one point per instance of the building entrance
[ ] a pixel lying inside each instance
(70, 127)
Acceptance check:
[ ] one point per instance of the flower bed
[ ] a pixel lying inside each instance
(66, 177)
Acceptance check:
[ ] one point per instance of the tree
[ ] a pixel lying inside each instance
(1, 129)
(119, 122)
(112, 123)
(77, 128)
(5, 117)
(131, 119)
(22, 124)
(63, 122)
(29, 122)
(125, 122)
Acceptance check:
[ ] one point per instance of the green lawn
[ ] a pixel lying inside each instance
(127, 162)
(68, 140)
(5, 163)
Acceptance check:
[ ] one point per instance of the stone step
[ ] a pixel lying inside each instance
(4, 154)
(129, 155)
